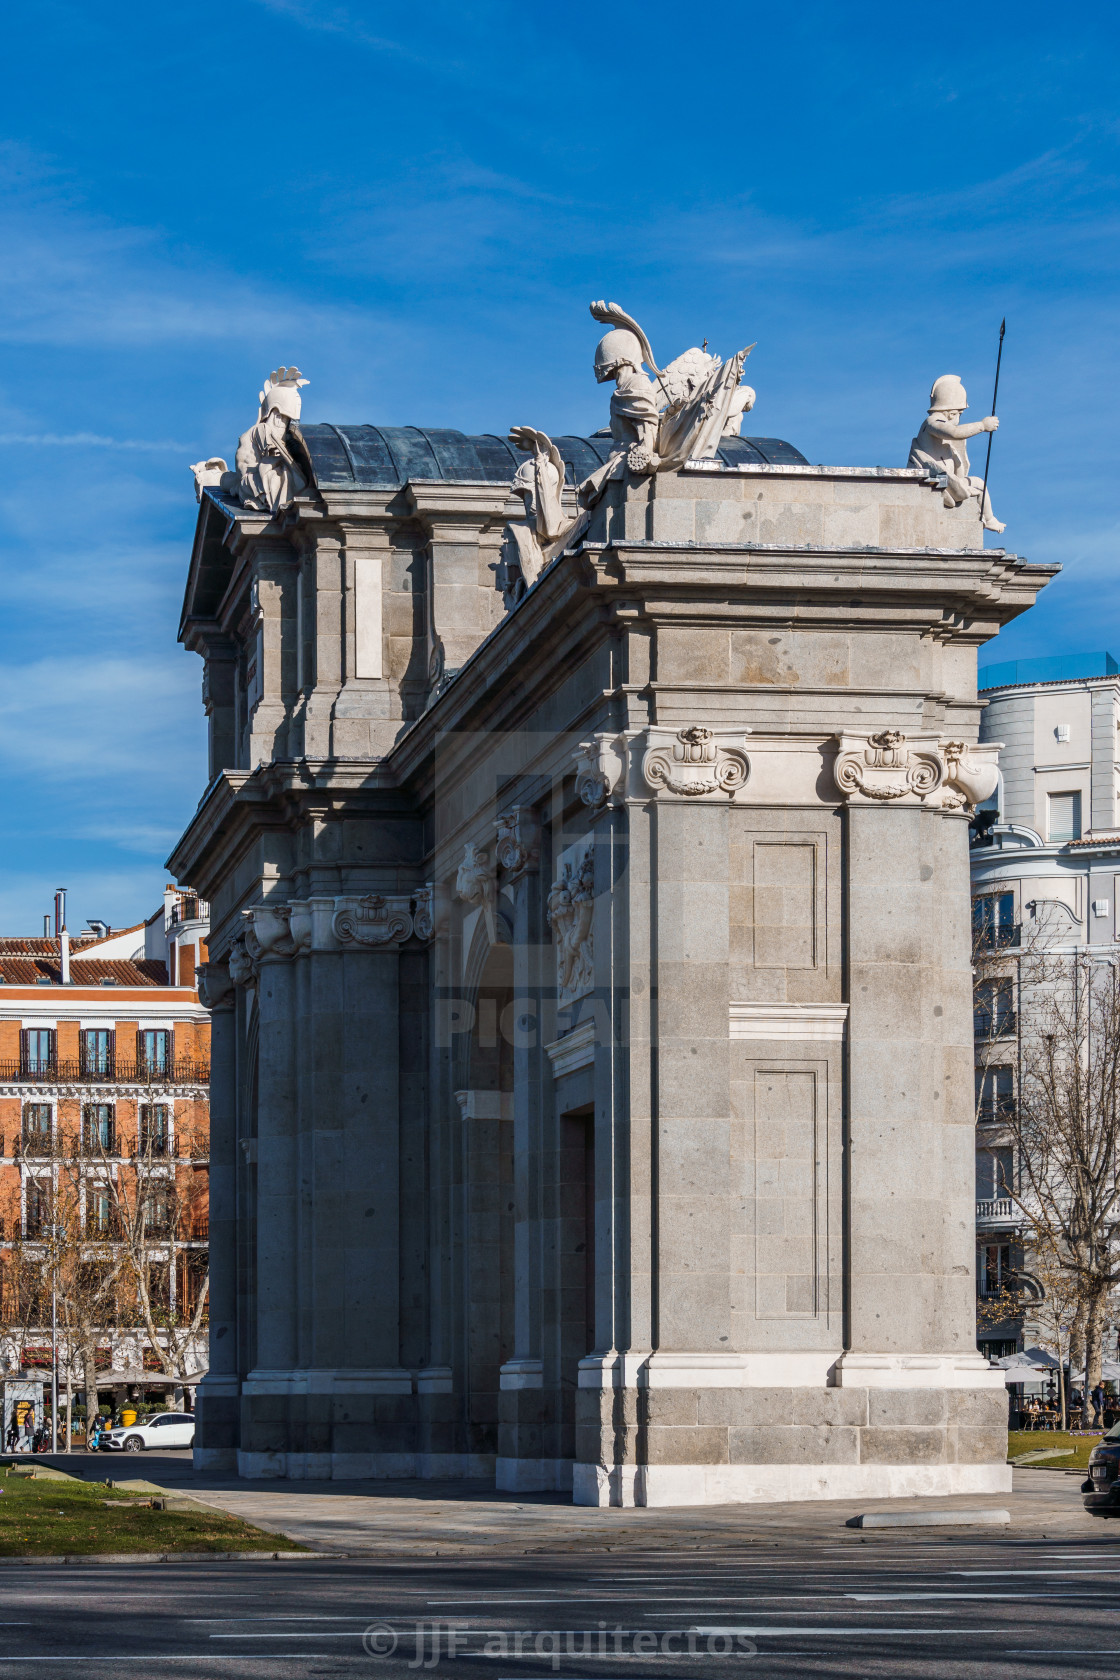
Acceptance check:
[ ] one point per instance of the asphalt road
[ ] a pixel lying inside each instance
(873, 1606)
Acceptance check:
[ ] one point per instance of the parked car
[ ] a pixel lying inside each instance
(1102, 1489)
(166, 1429)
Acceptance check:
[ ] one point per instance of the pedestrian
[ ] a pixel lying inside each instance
(1097, 1400)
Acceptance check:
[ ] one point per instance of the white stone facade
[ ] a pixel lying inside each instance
(629, 1148)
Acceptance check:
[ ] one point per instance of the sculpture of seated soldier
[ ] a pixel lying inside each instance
(940, 446)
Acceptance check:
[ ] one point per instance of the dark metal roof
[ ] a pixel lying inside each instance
(387, 457)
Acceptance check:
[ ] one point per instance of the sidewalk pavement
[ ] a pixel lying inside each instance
(472, 1519)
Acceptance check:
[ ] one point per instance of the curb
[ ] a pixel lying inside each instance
(928, 1519)
(26, 1558)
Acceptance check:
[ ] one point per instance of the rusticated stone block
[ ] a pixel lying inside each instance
(903, 1446)
(978, 1445)
(669, 1406)
(687, 1446)
(795, 1444)
(889, 1407)
(745, 1408)
(983, 1407)
(613, 1406)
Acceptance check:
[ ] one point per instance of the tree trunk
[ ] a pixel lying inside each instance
(89, 1378)
(1077, 1340)
(1094, 1336)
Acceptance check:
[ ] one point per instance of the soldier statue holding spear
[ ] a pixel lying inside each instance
(940, 445)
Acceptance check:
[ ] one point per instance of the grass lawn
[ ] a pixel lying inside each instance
(49, 1517)
(1037, 1440)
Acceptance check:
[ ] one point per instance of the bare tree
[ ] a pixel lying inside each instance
(149, 1208)
(51, 1249)
(99, 1224)
(1065, 1122)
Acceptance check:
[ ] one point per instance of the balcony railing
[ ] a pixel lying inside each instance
(189, 909)
(986, 1025)
(156, 1146)
(116, 1071)
(34, 1146)
(1000, 1210)
(996, 937)
(39, 1147)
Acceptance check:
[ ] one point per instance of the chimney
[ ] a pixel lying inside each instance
(61, 934)
(46, 927)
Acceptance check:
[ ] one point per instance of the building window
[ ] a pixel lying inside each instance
(155, 1128)
(993, 1268)
(993, 921)
(37, 1129)
(99, 1212)
(995, 1096)
(154, 1051)
(993, 1008)
(37, 1208)
(994, 1169)
(1063, 817)
(98, 1128)
(999, 1348)
(37, 1050)
(157, 1214)
(96, 1048)
(159, 1286)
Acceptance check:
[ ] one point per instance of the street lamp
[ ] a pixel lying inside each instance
(54, 1336)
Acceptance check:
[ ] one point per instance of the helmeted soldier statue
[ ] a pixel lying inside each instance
(940, 446)
(634, 402)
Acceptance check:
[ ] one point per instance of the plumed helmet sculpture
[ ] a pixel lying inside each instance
(615, 347)
(948, 392)
(281, 390)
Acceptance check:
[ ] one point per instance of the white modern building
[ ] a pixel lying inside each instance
(1045, 855)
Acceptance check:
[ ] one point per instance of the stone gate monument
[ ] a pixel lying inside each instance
(586, 843)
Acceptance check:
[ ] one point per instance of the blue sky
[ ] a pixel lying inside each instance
(416, 204)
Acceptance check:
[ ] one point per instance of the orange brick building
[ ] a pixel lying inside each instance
(104, 1069)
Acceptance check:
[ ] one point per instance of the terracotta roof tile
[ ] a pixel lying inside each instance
(13, 945)
(84, 971)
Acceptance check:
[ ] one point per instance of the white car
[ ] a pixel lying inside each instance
(166, 1429)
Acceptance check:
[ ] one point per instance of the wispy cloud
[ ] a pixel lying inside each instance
(92, 440)
(82, 719)
(341, 21)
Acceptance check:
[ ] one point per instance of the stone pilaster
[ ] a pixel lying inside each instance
(463, 524)
(219, 1393)
(266, 1413)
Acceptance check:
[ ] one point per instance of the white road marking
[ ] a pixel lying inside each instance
(835, 1632)
(1013, 1598)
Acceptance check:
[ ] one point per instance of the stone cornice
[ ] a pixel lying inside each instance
(595, 593)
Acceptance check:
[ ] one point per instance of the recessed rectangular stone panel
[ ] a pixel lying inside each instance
(778, 899)
(787, 1169)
